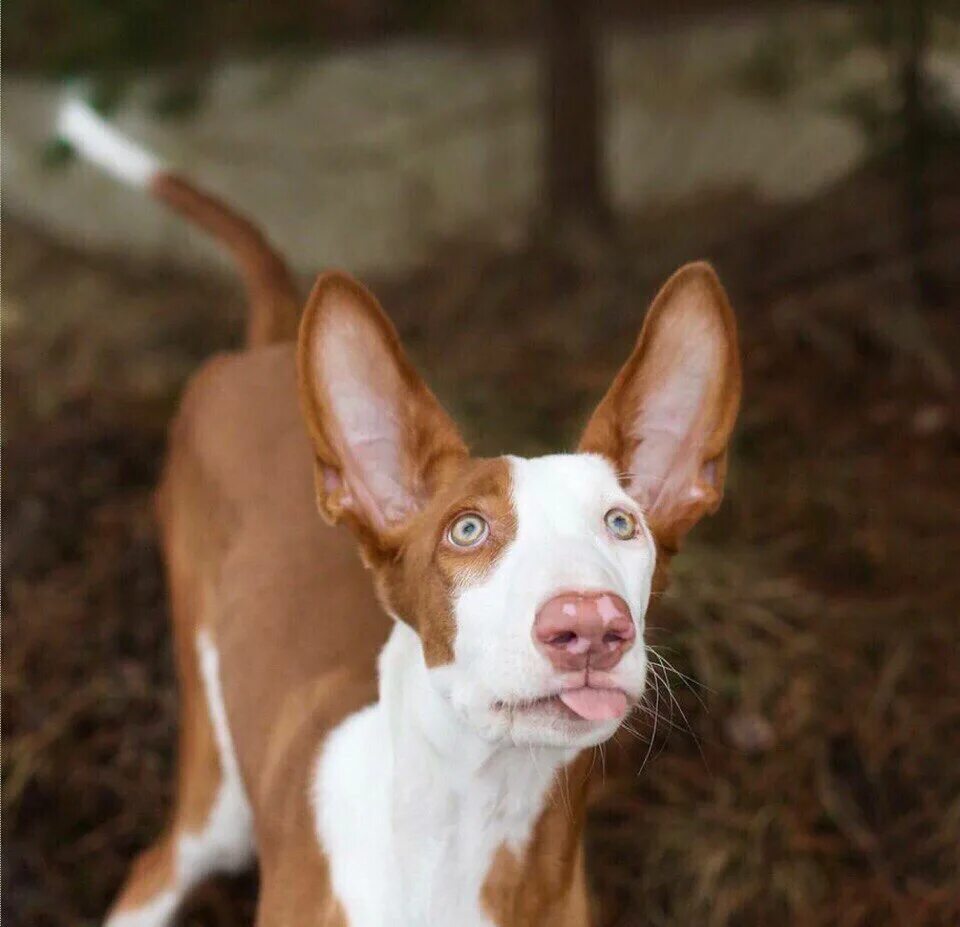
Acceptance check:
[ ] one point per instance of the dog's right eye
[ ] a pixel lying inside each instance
(468, 530)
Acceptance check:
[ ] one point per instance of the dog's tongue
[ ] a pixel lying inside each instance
(595, 704)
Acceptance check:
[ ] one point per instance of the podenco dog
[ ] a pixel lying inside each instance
(389, 734)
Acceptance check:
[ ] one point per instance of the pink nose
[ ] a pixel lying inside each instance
(577, 630)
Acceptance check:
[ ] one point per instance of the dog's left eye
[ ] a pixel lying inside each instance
(621, 524)
(468, 530)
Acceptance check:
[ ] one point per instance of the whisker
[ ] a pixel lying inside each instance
(688, 681)
(653, 735)
(565, 792)
(649, 712)
(675, 702)
(593, 761)
(632, 730)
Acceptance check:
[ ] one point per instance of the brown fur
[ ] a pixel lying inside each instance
(546, 882)
(274, 302)
(285, 597)
(416, 572)
(419, 586)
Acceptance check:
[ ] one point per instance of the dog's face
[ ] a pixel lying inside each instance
(527, 580)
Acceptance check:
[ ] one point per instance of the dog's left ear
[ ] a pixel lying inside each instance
(666, 421)
(382, 443)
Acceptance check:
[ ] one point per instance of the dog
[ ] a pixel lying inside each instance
(385, 734)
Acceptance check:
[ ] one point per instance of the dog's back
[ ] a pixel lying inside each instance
(235, 503)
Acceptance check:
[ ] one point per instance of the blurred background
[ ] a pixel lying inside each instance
(514, 180)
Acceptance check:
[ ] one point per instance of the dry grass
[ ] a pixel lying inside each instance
(809, 776)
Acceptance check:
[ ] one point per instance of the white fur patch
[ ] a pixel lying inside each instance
(225, 843)
(353, 815)
(157, 913)
(412, 805)
(101, 144)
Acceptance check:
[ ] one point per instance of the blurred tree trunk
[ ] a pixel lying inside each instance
(575, 185)
(913, 90)
(908, 21)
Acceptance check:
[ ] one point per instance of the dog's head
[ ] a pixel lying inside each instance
(527, 580)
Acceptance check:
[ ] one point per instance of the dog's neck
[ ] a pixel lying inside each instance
(440, 803)
(438, 759)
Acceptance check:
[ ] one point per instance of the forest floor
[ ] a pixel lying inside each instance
(810, 775)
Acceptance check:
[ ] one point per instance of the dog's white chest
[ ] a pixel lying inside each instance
(415, 849)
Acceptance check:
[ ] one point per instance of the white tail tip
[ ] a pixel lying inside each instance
(101, 144)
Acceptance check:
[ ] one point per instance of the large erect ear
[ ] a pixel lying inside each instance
(382, 442)
(666, 421)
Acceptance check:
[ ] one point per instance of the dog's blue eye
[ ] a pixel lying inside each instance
(468, 530)
(621, 524)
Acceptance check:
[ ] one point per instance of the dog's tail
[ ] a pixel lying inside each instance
(274, 304)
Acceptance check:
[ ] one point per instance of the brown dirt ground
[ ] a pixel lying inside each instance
(811, 776)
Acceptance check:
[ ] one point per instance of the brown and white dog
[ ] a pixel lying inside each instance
(386, 737)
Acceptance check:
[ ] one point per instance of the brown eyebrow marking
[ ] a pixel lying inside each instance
(431, 574)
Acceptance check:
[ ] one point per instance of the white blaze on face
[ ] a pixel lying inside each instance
(562, 545)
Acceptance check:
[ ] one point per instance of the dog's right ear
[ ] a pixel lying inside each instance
(382, 443)
(666, 421)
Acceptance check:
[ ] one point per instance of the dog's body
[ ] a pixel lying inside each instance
(507, 597)
(247, 560)
(278, 629)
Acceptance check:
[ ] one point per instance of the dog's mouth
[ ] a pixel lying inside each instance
(586, 703)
